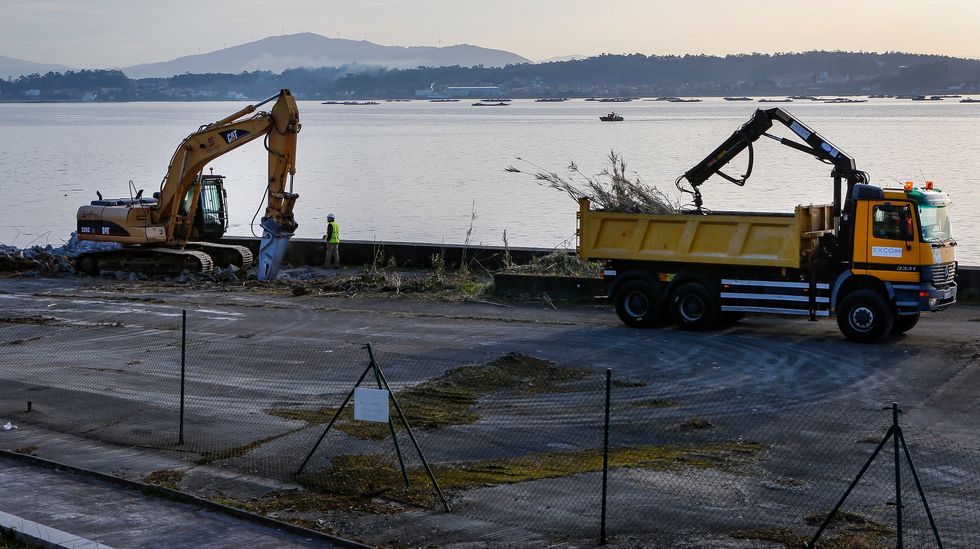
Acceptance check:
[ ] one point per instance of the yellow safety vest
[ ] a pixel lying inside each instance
(334, 235)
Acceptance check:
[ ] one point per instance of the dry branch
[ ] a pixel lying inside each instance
(612, 189)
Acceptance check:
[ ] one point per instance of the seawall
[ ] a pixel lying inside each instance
(311, 251)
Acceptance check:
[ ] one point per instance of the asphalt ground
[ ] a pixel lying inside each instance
(115, 516)
(794, 383)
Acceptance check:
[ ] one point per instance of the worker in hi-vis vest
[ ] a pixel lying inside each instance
(333, 243)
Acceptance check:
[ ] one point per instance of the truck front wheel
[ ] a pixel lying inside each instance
(904, 323)
(694, 307)
(864, 316)
(638, 305)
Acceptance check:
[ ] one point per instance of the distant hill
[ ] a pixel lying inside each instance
(12, 68)
(817, 73)
(562, 58)
(308, 50)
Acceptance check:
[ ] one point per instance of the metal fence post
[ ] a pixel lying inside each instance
(183, 371)
(898, 478)
(605, 459)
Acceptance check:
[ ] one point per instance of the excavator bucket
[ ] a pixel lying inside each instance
(272, 249)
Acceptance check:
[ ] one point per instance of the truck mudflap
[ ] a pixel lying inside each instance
(775, 297)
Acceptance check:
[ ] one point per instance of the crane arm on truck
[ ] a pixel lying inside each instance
(758, 126)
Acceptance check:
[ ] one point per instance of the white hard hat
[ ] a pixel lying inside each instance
(329, 216)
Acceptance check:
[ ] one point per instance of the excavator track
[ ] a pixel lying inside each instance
(165, 261)
(224, 255)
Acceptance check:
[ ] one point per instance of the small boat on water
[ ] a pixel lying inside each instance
(804, 97)
(497, 104)
(770, 100)
(551, 100)
(615, 99)
(844, 100)
(970, 100)
(443, 100)
(350, 103)
(738, 99)
(611, 117)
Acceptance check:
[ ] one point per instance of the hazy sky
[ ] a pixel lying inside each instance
(117, 33)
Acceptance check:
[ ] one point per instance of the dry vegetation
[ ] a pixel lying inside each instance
(612, 189)
(451, 398)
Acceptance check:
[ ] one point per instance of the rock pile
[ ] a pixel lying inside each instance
(48, 259)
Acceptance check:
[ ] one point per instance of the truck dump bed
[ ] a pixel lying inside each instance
(746, 239)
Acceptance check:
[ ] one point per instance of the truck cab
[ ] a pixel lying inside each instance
(903, 250)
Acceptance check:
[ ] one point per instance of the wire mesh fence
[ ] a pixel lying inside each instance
(515, 441)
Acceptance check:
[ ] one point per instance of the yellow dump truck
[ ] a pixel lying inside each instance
(875, 258)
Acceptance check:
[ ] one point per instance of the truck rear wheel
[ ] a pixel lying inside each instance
(638, 305)
(904, 323)
(694, 307)
(864, 316)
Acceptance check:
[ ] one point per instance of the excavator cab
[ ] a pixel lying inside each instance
(211, 219)
(211, 215)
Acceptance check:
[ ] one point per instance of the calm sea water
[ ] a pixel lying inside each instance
(419, 171)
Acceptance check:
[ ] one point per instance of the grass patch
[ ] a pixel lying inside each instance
(558, 263)
(790, 481)
(167, 478)
(32, 319)
(449, 399)
(622, 384)
(694, 424)
(657, 403)
(238, 451)
(853, 521)
(373, 475)
(345, 423)
(19, 341)
(26, 450)
(308, 501)
(847, 531)
(784, 536)
(382, 278)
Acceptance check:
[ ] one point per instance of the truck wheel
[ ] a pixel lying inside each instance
(694, 307)
(904, 323)
(864, 316)
(637, 304)
(730, 317)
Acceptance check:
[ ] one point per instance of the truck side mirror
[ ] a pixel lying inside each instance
(908, 227)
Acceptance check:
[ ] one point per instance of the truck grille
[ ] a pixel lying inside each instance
(943, 275)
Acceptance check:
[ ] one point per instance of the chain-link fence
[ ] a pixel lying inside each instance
(516, 442)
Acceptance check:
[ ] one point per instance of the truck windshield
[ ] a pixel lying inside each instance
(935, 223)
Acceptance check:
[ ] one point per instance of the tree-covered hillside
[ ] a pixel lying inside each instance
(608, 75)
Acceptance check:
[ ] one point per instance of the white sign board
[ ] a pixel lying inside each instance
(371, 405)
(885, 251)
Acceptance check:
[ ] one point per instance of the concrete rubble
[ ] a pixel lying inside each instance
(48, 259)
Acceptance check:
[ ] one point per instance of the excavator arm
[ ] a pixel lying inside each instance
(758, 126)
(179, 190)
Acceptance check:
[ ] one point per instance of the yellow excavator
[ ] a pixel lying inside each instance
(178, 228)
